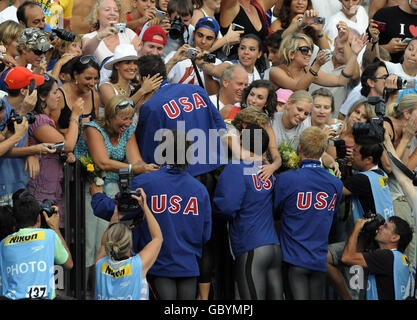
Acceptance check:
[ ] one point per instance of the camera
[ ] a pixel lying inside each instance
(372, 132)
(237, 27)
(404, 83)
(369, 230)
(209, 57)
(340, 146)
(62, 34)
(177, 28)
(125, 202)
(191, 53)
(160, 14)
(120, 27)
(319, 20)
(14, 116)
(46, 205)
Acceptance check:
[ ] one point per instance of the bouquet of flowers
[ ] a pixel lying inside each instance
(94, 173)
(290, 158)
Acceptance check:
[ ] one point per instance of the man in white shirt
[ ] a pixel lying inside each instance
(9, 13)
(204, 35)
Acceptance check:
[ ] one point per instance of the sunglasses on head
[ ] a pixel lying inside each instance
(125, 103)
(87, 59)
(304, 50)
(38, 52)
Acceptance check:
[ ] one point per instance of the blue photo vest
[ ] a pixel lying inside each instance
(402, 279)
(381, 195)
(120, 280)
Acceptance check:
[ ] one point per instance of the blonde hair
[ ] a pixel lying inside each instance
(250, 115)
(407, 103)
(289, 45)
(10, 31)
(118, 241)
(300, 95)
(110, 112)
(369, 109)
(92, 18)
(313, 142)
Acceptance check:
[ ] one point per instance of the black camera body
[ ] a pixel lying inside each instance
(14, 116)
(46, 205)
(209, 57)
(369, 230)
(125, 202)
(62, 34)
(177, 28)
(340, 146)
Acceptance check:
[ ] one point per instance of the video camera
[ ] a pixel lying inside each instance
(14, 116)
(372, 132)
(177, 28)
(125, 203)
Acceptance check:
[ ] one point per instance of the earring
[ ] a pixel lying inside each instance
(76, 82)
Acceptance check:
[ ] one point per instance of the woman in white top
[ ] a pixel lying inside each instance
(408, 68)
(103, 41)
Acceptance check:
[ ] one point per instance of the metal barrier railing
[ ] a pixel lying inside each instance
(75, 279)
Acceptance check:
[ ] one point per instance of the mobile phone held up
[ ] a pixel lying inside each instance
(59, 147)
(32, 86)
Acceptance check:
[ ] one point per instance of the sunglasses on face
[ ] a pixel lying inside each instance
(304, 50)
(124, 104)
(87, 59)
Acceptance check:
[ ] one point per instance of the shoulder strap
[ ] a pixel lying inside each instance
(200, 82)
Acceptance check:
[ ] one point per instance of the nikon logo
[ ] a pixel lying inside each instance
(116, 273)
(39, 235)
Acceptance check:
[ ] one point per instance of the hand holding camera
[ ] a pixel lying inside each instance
(140, 196)
(106, 32)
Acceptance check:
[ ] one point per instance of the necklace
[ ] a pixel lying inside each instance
(122, 91)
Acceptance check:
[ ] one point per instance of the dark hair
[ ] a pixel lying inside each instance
(21, 11)
(273, 40)
(151, 65)
(26, 209)
(181, 7)
(403, 229)
(78, 67)
(68, 66)
(370, 73)
(43, 92)
(285, 13)
(252, 132)
(175, 149)
(7, 221)
(254, 37)
(271, 102)
(373, 150)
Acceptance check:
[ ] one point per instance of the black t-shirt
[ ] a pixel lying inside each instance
(381, 265)
(359, 186)
(400, 24)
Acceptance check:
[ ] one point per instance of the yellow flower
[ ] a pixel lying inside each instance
(90, 167)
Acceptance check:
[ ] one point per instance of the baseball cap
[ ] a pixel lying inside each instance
(283, 95)
(19, 77)
(35, 38)
(202, 23)
(149, 33)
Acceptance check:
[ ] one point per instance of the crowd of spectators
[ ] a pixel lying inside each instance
(267, 143)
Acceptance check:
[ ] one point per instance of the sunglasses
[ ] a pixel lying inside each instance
(304, 50)
(384, 77)
(38, 52)
(88, 58)
(125, 103)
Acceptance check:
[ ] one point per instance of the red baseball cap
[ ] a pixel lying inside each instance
(150, 32)
(19, 77)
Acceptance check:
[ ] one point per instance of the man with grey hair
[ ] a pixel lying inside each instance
(232, 83)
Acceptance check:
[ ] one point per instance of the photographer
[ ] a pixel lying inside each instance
(370, 193)
(204, 36)
(20, 158)
(115, 257)
(20, 129)
(28, 256)
(388, 267)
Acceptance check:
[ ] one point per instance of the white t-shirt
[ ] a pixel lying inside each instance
(102, 51)
(183, 72)
(359, 22)
(327, 8)
(397, 69)
(218, 104)
(8, 13)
